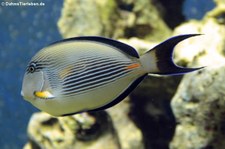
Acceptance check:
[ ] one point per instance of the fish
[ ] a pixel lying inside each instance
(91, 73)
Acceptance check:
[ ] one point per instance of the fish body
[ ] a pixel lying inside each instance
(92, 73)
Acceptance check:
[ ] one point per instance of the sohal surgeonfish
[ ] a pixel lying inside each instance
(93, 73)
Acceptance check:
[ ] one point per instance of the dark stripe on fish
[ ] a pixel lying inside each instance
(92, 85)
(101, 82)
(93, 77)
(93, 72)
(98, 71)
(89, 66)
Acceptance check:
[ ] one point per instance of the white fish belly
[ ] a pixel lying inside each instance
(90, 100)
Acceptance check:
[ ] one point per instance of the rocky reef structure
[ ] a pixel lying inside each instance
(157, 115)
(199, 103)
(112, 18)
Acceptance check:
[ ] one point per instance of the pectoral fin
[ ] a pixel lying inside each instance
(43, 94)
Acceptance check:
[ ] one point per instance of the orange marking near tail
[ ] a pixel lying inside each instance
(132, 66)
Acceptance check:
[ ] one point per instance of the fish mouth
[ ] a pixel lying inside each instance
(21, 93)
(26, 98)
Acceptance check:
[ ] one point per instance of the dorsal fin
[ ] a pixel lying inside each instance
(117, 44)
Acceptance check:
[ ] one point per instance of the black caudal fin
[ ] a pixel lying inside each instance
(159, 59)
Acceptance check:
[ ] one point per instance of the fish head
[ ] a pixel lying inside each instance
(33, 81)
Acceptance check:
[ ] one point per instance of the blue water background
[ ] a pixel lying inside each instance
(23, 31)
(195, 9)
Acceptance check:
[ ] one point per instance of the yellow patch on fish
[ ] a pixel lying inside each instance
(43, 94)
(80, 66)
(63, 73)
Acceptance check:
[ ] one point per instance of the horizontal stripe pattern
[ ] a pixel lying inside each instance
(94, 84)
(98, 72)
(93, 69)
(76, 68)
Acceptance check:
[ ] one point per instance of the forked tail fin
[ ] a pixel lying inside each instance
(159, 60)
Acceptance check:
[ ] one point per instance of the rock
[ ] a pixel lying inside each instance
(130, 137)
(199, 109)
(142, 19)
(199, 102)
(77, 131)
(93, 130)
(86, 17)
(112, 18)
(151, 111)
(211, 45)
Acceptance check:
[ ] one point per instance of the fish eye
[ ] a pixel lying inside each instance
(31, 68)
